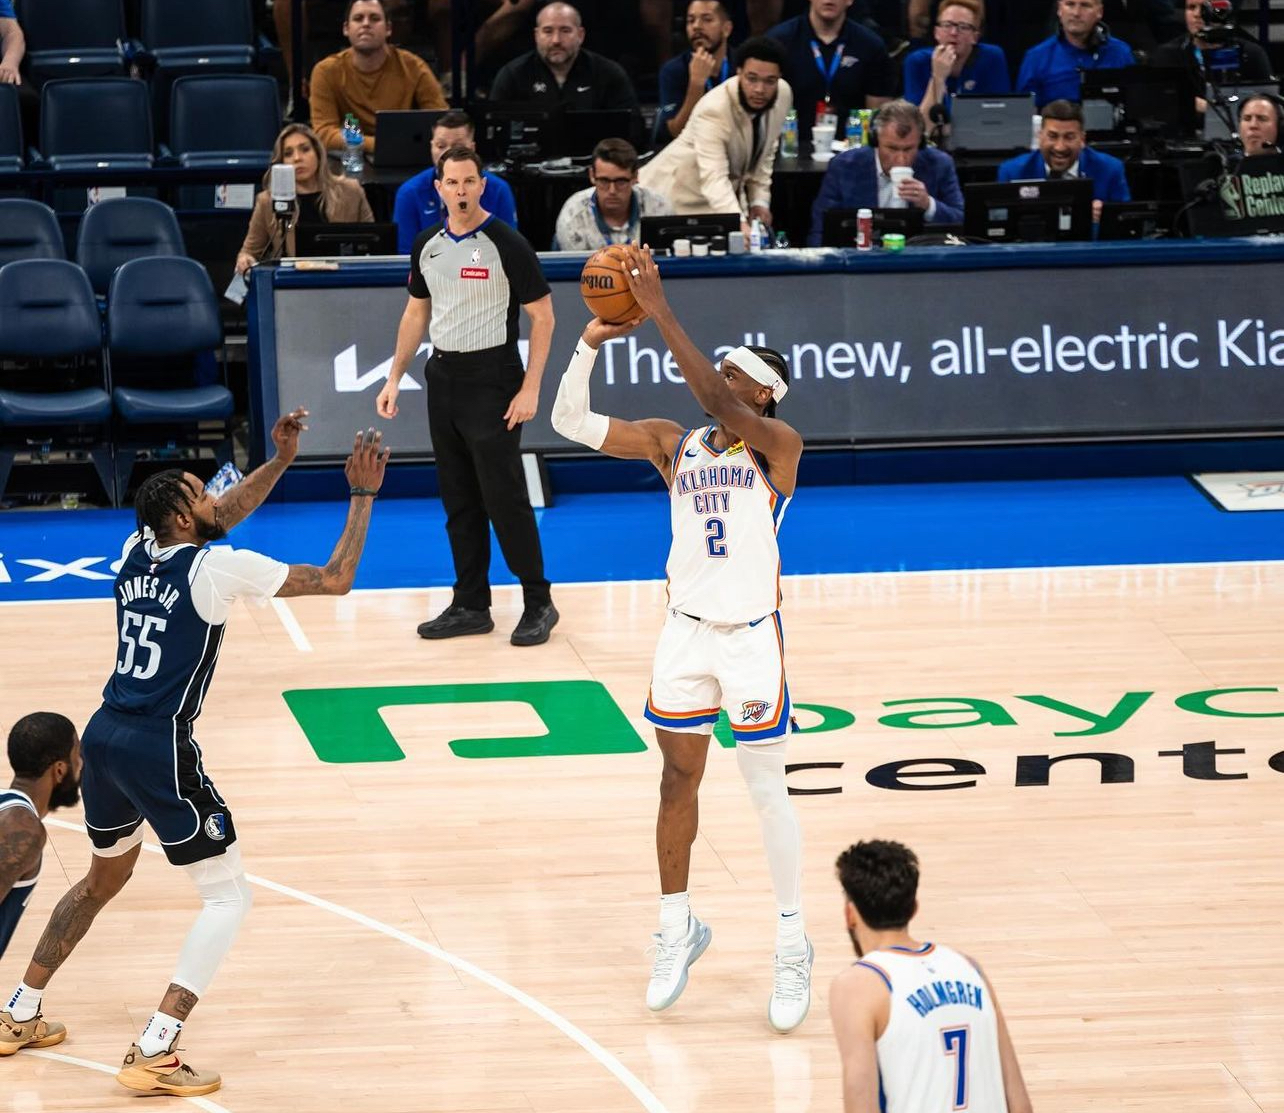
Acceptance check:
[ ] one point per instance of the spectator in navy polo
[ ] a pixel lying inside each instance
(559, 72)
(685, 78)
(418, 205)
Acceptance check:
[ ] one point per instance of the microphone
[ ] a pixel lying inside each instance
(939, 116)
(284, 191)
(1099, 37)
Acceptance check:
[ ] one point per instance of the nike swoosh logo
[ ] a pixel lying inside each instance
(168, 1066)
(583, 88)
(692, 452)
(433, 254)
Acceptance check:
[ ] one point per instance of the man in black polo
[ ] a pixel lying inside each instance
(559, 73)
(468, 276)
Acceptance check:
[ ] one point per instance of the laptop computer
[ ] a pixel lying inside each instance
(403, 138)
(839, 226)
(1219, 117)
(333, 241)
(981, 123)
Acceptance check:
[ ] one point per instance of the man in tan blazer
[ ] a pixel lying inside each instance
(722, 160)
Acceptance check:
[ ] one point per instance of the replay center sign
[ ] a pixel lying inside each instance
(874, 358)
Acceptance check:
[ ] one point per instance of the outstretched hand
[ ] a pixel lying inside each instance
(285, 434)
(365, 467)
(597, 332)
(643, 277)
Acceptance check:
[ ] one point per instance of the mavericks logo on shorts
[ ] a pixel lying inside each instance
(215, 826)
(753, 710)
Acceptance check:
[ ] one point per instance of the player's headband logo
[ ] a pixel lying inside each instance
(757, 369)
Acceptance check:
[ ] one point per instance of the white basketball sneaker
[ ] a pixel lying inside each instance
(672, 961)
(791, 992)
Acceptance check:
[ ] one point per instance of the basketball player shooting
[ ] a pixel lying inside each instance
(141, 758)
(722, 645)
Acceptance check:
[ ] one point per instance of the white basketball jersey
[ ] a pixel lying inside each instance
(940, 1050)
(724, 564)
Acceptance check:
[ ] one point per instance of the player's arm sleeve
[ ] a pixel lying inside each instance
(571, 414)
(224, 575)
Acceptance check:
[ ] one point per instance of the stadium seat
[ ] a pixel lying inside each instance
(224, 119)
(11, 151)
(95, 123)
(180, 36)
(73, 38)
(123, 228)
(162, 318)
(51, 385)
(28, 230)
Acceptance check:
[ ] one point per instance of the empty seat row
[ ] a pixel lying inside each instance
(111, 233)
(113, 387)
(106, 123)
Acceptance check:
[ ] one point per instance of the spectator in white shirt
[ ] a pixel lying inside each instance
(611, 209)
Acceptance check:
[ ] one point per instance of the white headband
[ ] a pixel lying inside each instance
(758, 369)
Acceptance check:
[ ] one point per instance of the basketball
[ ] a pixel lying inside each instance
(604, 288)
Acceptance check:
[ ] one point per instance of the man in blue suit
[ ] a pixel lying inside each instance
(1063, 153)
(862, 178)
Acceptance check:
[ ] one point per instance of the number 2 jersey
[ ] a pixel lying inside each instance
(724, 564)
(940, 1049)
(171, 605)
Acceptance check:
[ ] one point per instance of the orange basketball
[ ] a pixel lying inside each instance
(604, 288)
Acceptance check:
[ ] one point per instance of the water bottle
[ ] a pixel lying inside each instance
(756, 235)
(789, 135)
(854, 131)
(227, 477)
(352, 144)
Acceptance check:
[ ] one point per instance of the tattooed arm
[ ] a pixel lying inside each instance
(22, 837)
(364, 469)
(248, 495)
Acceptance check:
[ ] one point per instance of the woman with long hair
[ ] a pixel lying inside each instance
(322, 198)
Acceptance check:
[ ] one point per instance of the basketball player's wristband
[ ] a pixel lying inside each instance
(359, 492)
(571, 414)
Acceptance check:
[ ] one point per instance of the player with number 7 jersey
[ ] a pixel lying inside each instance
(141, 758)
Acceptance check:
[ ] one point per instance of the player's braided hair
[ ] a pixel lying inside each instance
(776, 362)
(159, 497)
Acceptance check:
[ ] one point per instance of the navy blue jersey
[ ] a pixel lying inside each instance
(14, 902)
(171, 604)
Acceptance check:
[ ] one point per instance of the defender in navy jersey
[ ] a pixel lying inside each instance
(919, 1029)
(44, 754)
(141, 757)
(722, 646)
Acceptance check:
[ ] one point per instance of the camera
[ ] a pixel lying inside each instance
(1218, 17)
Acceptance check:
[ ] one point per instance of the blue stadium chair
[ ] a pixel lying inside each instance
(95, 123)
(73, 38)
(224, 120)
(51, 388)
(162, 320)
(180, 36)
(29, 230)
(10, 129)
(124, 228)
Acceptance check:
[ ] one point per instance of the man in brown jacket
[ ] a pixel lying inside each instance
(370, 76)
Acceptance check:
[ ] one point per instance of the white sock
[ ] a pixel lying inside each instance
(24, 1005)
(791, 933)
(675, 916)
(159, 1035)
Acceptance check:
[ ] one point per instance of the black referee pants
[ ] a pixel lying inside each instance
(479, 471)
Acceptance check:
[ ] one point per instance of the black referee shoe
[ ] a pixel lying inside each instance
(455, 621)
(536, 625)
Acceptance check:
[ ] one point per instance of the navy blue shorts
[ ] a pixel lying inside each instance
(150, 769)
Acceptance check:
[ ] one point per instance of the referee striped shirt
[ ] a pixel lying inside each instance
(477, 283)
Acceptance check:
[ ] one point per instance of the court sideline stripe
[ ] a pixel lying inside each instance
(631, 1082)
(88, 1064)
(291, 625)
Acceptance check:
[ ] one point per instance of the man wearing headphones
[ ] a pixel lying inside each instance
(862, 177)
(1051, 69)
(1260, 120)
(1238, 58)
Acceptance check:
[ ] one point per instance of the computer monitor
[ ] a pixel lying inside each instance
(1032, 211)
(404, 138)
(583, 129)
(985, 123)
(659, 232)
(1131, 220)
(1221, 120)
(1155, 101)
(516, 132)
(341, 240)
(839, 227)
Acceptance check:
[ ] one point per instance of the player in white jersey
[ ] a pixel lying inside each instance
(722, 644)
(918, 1026)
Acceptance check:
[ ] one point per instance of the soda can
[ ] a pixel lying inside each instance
(227, 477)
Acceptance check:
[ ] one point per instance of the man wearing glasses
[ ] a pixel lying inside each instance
(721, 163)
(611, 209)
(959, 63)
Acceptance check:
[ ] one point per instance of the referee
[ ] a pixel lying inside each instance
(476, 270)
